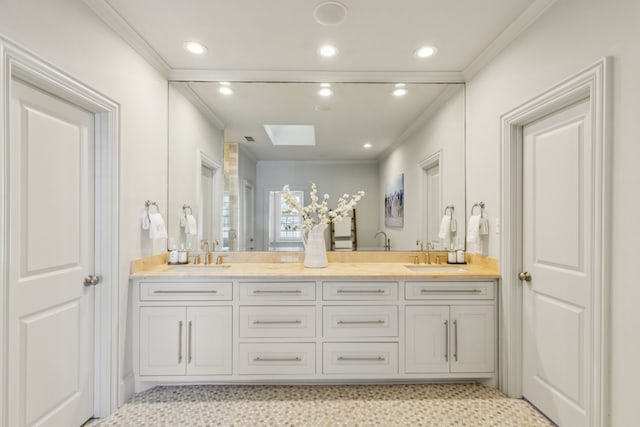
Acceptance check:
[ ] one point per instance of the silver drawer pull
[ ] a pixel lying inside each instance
(277, 322)
(186, 291)
(360, 322)
(361, 291)
(277, 359)
(450, 291)
(276, 291)
(361, 359)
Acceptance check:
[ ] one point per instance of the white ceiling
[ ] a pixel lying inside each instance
(255, 40)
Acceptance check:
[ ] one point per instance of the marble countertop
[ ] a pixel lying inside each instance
(346, 270)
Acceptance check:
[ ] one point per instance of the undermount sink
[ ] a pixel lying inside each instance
(435, 268)
(198, 268)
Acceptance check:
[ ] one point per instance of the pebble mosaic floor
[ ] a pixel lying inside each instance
(441, 405)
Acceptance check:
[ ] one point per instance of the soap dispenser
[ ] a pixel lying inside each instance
(173, 252)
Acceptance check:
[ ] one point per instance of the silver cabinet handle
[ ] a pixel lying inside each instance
(446, 340)
(276, 291)
(180, 342)
(186, 291)
(277, 359)
(360, 322)
(455, 340)
(361, 359)
(450, 291)
(277, 322)
(189, 345)
(361, 291)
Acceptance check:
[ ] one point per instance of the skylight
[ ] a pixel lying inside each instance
(304, 135)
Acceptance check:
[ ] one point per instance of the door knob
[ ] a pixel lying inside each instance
(92, 280)
(525, 276)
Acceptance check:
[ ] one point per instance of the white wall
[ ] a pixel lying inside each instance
(247, 172)
(442, 131)
(333, 178)
(68, 35)
(571, 35)
(190, 133)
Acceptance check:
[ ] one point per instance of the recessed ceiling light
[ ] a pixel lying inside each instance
(401, 84)
(325, 84)
(367, 145)
(328, 51)
(224, 84)
(225, 90)
(400, 92)
(425, 52)
(195, 48)
(325, 91)
(330, 13)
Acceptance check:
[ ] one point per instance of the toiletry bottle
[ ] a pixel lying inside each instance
(173, 252)
(183, 255)
(451, 255)
(460, 258)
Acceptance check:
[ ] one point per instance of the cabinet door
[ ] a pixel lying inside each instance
(162, 349)
(426, 339)
(473, 341)
(208, 340)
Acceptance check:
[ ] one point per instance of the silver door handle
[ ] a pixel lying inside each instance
(361, 291)
(361, 359)
(525, 276)
(450, 291)
(277, 359)
(360, 322)
(189, 345)
(277, 322)
(446, 340)
(180, 342)
(455, 340)
(186, 291)
(92, 280)
(276, 291)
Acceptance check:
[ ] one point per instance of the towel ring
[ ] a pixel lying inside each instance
(478, 205)
(451, 208)
(148, 205)
(184, 210)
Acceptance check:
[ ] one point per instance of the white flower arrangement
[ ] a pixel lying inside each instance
(318, 212)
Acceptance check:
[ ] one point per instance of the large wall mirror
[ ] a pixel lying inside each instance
(233, 146)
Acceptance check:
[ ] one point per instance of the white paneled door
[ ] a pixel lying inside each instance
(51, 252)
(557, 244)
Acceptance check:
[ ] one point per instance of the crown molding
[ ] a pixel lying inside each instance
(122, 28)
(304, 76)
(192, 96)
(517, 27)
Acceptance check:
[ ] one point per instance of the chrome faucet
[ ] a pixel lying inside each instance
(387, 241)
(204, 245)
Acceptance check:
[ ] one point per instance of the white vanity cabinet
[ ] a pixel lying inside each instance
(183, 329)
(322, 329)
(185, 340)
(456, 337)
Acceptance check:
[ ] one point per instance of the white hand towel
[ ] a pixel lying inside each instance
(483, 226)
(190, 225)
(454, 225)
(157, 230)
(146, 222)
(473, 234)
(445, 232)
(342, 228)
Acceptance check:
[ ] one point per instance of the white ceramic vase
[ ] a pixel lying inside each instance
(315, 250)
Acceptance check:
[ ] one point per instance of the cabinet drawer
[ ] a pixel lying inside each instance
(360, 321)
(360, 358)
(368, 291)
(277, 359)
(186, 291)
(449, 290)
(278, 322)
(277, 291)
